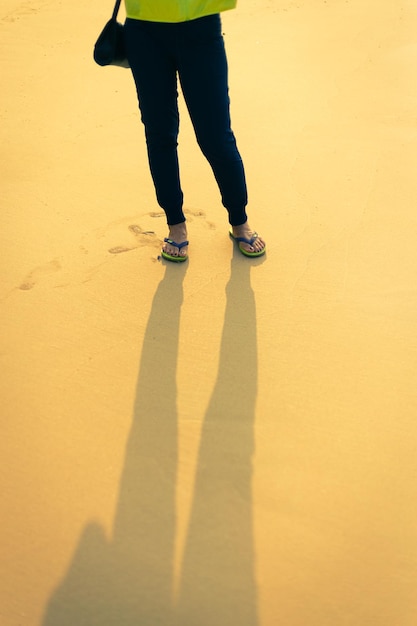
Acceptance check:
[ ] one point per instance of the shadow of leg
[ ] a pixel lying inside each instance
(128, 581)
(144, 530)
(218, 584)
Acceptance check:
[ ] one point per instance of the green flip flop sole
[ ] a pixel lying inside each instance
(170, 257)
(240, 240)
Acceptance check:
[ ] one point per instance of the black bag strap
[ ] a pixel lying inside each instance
(116, 9)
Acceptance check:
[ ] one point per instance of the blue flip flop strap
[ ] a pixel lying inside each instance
(174, 243)
(248, 241)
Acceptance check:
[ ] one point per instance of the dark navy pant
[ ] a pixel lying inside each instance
(194, 51)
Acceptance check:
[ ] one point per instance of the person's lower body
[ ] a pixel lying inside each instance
(194, 51)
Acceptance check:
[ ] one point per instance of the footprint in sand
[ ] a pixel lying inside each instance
(148, 237)
(142, 238)
(199, 214)
(190, 213)
(38, 273)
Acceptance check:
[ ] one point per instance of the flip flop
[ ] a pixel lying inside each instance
(170, 257)
(250, 242)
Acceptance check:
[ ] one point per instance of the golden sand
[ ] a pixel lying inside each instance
(229, 442)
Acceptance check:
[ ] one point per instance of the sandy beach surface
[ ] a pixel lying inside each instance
(229, 442)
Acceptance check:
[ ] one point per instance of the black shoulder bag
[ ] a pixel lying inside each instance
(110, 47)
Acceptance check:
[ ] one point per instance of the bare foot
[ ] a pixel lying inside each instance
(244, 230)
(178, 233)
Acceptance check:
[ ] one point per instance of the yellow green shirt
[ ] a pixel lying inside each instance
(175, 10)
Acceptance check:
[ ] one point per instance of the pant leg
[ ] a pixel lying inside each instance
(203, 74)
(151, 54)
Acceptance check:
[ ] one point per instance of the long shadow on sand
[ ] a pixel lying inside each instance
(128, 581)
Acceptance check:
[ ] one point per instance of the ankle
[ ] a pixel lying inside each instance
(178, 231)
(241, 228)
